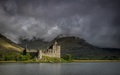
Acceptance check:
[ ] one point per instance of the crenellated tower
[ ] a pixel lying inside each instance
(52, 51)
(56, 49)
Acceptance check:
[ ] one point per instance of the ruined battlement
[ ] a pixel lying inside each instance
(51, 51)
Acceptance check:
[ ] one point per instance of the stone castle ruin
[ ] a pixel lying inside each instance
(51, 51)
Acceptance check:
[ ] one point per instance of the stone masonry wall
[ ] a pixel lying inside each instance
(54, 52)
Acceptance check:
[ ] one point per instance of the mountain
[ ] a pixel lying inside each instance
(32, 44)
(77, 47)
(7, 45)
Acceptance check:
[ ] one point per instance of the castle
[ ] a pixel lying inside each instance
(51, 51)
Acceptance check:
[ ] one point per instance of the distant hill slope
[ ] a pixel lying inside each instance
(75, 46)
(32, 44)
(78, 47)
(7, 45)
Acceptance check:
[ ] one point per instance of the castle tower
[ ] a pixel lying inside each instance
(56, 50)
(55, 43)
(52, 51)
(39, 54)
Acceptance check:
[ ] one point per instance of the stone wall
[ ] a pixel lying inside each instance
(55, 51)
(52, 51)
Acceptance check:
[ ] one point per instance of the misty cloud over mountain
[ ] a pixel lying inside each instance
(97, 21)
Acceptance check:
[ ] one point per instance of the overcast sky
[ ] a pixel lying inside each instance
(97, 21)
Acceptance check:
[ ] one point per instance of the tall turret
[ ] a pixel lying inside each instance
(39, 54)
(56, 49)
(55, 43)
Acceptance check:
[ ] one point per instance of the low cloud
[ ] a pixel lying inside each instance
(97, 21)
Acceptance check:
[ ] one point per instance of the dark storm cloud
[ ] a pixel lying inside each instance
(97, 21)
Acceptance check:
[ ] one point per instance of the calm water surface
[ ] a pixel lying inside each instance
(60, 68)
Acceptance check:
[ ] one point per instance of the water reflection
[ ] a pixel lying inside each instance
(50, 69)
(60, 69)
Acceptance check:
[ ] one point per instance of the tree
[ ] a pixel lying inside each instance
(68, 57)
(28, 56)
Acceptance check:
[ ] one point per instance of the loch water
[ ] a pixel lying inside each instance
(104, 68)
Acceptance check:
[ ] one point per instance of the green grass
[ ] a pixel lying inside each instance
(43, 60)
(95, 60)
(46, 59)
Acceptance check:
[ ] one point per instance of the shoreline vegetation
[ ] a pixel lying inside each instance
(95, 60)
(27, 58)
(72, 61)
(57, 60)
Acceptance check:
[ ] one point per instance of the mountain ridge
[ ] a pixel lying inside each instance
(8, 45)
(78, 47)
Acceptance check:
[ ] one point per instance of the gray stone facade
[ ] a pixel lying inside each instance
(52, 51)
